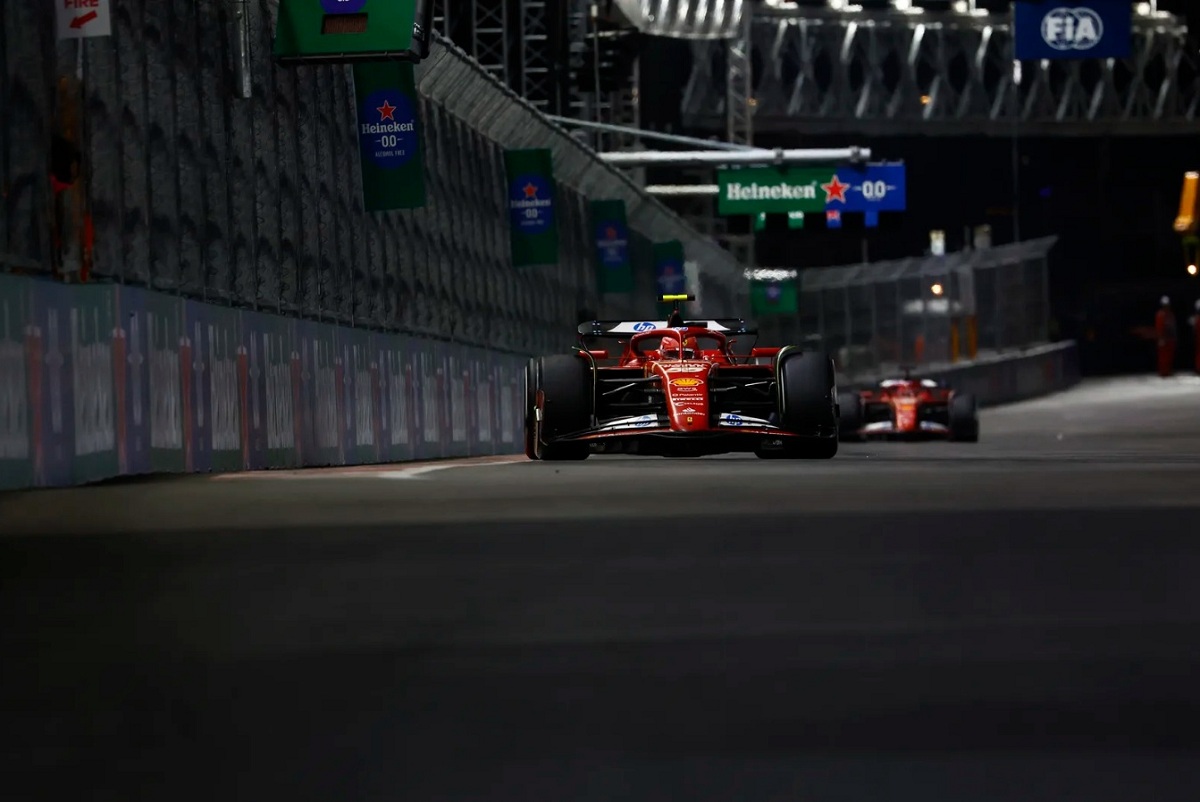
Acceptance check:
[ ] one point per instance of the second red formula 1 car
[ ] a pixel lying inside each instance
(908, 408)
(679, 388)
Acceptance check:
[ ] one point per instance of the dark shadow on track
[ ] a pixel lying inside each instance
(1028, 648)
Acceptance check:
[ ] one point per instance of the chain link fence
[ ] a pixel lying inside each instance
(176, 155)
(926, 311)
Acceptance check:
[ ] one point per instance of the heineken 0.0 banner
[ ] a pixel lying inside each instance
(389, 141)
(614, 268)
(773, 298)
(759, 191)
(534, 227)
(669, 278)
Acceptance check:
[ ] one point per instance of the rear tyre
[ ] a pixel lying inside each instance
(564, 383)
(964, 419)
(807, 403)
(850, 417)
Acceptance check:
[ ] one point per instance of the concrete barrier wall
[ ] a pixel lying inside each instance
(110, 380)
(1007, 377)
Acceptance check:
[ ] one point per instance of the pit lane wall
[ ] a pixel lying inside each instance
(1000, 378)
(102, 381)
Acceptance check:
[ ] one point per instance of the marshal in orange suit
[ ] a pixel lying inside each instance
(1164, 328)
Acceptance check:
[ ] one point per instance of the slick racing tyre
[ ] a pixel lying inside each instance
(964, 419)
(806, 387)
(850, 416)
(564, 384)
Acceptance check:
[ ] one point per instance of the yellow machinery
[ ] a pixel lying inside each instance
(1187, 223)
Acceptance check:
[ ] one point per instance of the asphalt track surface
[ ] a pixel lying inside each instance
(1013, 620)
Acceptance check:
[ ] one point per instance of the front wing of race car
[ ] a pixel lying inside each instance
(654, 434)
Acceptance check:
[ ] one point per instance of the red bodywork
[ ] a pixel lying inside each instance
(705, 398)
(905, 407)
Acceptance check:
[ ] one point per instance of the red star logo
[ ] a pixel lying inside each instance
(835, 190)
(386, 111)
(530, 190)
(610, 232)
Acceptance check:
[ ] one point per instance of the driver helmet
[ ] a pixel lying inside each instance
(669, 347)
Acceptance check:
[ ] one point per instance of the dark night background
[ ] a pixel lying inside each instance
(1110, 199)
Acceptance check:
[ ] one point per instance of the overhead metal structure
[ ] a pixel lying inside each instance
(905, 70)
(685, 19)
(515, 40)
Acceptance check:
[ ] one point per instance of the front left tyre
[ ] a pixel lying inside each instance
(558, 404)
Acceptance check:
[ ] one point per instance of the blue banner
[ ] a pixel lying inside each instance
(1073, 30)
(669, 277)
(869, 188)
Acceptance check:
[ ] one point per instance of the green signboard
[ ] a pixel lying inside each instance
(346, 31)
(773, 298)
(766, 190)
(389, 137)
(533, 225)
(614, 268)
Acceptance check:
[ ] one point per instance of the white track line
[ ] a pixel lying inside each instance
(414, 471)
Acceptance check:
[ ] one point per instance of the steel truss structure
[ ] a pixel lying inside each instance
(513, 41)
(886, 73)
(531, 45)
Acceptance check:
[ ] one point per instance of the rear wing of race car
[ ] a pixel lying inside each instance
(624, 328)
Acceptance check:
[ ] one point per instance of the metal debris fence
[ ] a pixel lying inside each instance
(210, 172)
(931, 310)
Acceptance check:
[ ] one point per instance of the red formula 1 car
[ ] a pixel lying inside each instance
(677, 388)
(908, 408)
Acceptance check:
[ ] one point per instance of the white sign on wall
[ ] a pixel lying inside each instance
(83, 19)
(937, 243)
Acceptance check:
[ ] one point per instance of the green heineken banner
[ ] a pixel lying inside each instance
(773, 298)
(766, 190)
(613, 265)
(533, 228)
(669, 278)
(389, 143)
